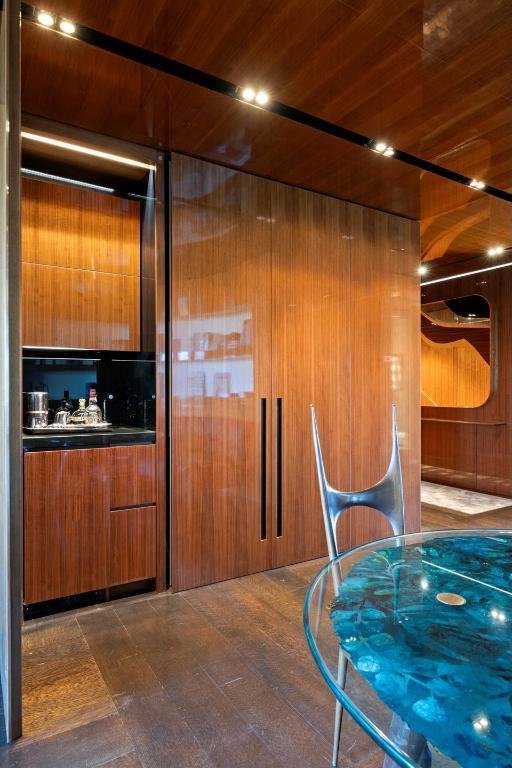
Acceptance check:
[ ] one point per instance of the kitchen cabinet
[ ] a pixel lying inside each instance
(66, 503)
(281, 298)
(80, 268)
(76, 538)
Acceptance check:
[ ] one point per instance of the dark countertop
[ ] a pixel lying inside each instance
(111, 437)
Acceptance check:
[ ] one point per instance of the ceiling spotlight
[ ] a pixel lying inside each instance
(45, 18)
(262, 98)
(497, 250)
(383, 149)
(422, 270)
(248, 94)
(475, 184)
(67, 27)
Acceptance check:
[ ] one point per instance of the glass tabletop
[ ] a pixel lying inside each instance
(425, 622)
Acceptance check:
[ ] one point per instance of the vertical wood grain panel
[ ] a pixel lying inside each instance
(384, 359)
(80, 268)
(133, 475)
(311, 364)
(132, 545)
(449, 453)
(66, 504)
(63, 226)
(221, 341)
(79, 309)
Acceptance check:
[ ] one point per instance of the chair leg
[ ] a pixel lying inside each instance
(338, 714)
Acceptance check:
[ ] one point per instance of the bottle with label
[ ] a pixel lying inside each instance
(93, 411)
(80, 415)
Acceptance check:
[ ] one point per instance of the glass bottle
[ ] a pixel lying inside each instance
(66, 404)
(80, 415)
(93, 411)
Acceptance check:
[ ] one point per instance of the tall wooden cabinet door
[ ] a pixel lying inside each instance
(311, 323)
(66, 507)
(221, 339)
(385, 344)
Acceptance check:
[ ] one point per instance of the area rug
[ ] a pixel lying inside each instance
(461, 500)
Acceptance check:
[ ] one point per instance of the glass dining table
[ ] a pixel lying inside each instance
(425, 622)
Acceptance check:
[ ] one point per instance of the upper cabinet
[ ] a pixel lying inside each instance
(80, 268)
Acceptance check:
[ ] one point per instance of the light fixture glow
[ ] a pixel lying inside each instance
(248, 94)
(383, 149)
(424, 583)
(65, 180)
(497, 250)
(45, 18)
(67, 27)
(422, 270)
(466, 274)
(262, 98)
(476, 184)
(86, 150)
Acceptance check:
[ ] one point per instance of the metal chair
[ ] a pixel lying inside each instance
(386, 497)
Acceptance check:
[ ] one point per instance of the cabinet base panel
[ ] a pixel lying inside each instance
(87, 599)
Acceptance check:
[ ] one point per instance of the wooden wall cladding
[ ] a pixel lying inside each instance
(220, 280)
(66, 502)
(384, 358)
(132, 545)
(453, 374)
(79, 309)
(491, 438)
(80, 268)
(332, 290)
(133, 476)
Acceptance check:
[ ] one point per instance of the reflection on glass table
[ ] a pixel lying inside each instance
(425, 621)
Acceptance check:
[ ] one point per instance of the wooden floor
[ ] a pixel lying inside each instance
(217, 677)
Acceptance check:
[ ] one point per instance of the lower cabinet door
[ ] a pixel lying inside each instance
(132, 553)
(66, 507)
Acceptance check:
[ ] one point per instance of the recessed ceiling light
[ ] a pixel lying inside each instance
(45, 18)
(422, 270)
(467, 274)
(248, 94)
(476, 184)
(86, 150)
(382, 148)
(497, 250)
(262, 98)
(67, 27)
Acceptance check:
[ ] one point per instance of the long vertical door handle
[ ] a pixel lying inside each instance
(279, 466)
(263, 469)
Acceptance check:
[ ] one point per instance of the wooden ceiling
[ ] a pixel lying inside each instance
(430, 78)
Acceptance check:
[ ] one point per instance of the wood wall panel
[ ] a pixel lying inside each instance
(220, 284)
(79, 309)
(384, 360)
(494, 459)
(333, 294)
(492, 468)
(63, 226)
(310, 347)
(132, 545)
(66, 507)
(133, 475)
(453, 373)
(448, 453)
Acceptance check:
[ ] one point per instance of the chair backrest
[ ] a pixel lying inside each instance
(386, 496)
